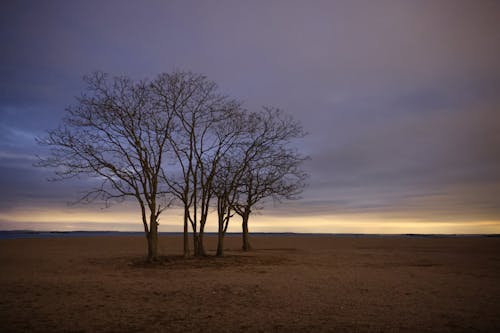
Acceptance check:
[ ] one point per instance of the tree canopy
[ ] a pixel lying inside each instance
(176, 138)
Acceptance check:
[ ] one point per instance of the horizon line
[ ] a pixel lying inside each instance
(28, 231)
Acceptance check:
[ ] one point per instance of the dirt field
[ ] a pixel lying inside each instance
(288, 284)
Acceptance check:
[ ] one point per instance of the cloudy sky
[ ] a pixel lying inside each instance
(401, 100)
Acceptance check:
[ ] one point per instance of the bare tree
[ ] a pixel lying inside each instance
(202, 116)
(118, 136)
(271, 166)
(226, 185)
(124, 134)
(261, 165)
(225, 190)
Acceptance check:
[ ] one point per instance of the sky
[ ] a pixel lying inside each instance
(401, 100)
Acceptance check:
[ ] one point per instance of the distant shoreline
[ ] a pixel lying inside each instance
(20, 234)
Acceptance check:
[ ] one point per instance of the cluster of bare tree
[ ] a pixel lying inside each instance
(176, 139)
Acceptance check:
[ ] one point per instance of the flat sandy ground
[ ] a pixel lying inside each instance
(288, 284)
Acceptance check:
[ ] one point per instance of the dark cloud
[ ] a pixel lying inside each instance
(401, 99)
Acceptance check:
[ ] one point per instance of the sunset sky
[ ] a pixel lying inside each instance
(401, 100)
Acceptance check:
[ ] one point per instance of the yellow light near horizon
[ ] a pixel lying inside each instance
(371, 225)
(71, 218)
(65, 216)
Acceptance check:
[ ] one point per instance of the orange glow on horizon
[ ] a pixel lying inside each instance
(121, 218)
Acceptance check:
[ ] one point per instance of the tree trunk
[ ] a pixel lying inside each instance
(244, 224)
(153, 242)
(220, 237)
(196, 244)
(186, 236)
(201, 248)
(220, 244)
